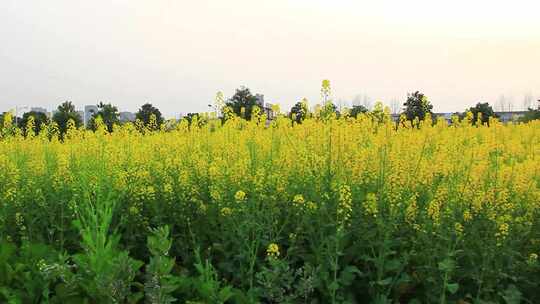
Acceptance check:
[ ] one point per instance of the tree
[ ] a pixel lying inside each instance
(417, 106)
(7, 124)
(108, 113)
(40, 119)
(357, 110)
(145, 113)
(200, 119)
(299, 111)
(5, 115)
(328, 110)
(531, 114)
(242, 103)
(483, 109)
(64, 113)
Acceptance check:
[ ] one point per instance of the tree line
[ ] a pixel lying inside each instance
(107, 114)
(244, 104)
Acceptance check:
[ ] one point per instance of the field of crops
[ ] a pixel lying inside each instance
(327, 211)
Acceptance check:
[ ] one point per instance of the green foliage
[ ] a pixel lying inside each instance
(64, 113)
(417, 106)
(483, 111)
(150, 116)
(109, 115)
(329, 110)
(530, 115)
(207, 285)
(357, 110)
(299, 111)
(7, 125)
(279, 283)
(196, 119)
(109, 272)
(243, 103)
(160, 283)
(21, 279)
(40, 120)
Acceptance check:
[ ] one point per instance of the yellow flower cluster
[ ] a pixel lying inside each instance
(272, 251)
(298, 200)
(462, 180)
(240, 196)
(370, 205)
(226, 211)
(345, 202)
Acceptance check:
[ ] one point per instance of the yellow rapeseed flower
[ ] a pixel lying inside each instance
(273, 250)
(240, 196)
(226, 211)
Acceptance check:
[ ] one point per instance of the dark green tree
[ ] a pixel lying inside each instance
(64, 113)
(9, 127)
(40, 119)
(484, 109)
(417, 106)
(201, 119)
(2, 115)
(328, 110)
(242, 103)
(531, 114)
(299, 111)
(146, 111)
(108, 113)
(357, 110)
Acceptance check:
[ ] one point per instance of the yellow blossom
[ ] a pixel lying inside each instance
(272, 250)
(240, 196)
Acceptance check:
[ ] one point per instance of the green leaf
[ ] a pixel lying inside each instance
(446, 265)
(385, 282)
(348, 275)
(452, 287)
(333, 286)
(393, 265)
(512, 295)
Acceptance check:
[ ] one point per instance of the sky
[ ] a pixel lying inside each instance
(177, 54)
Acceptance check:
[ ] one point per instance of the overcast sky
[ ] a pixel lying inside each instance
(177, 54)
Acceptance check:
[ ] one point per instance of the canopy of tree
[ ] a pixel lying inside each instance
(145, 114)
(109, 115)
(530, 115)
(242, 103)
(40, 119)
(65, 112)
(299, 111)
(417, 106)
(357, 110)
(484, 110)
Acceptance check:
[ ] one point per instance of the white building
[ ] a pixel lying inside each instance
(127, 116)
(89, 111)
(38, 110)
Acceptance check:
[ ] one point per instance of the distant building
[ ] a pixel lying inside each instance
(267, 108)
(509, 116)
(38, 110)
(41, 110)
(127, 116)
(88, 113)
(81, 115)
